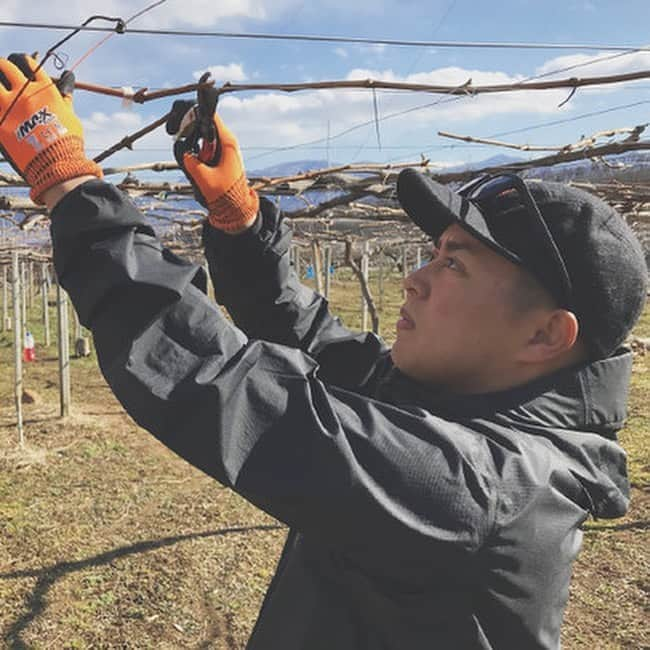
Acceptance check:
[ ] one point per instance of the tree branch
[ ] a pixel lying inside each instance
(142, 95)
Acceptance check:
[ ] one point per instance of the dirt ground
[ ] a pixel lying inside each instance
(110, 541)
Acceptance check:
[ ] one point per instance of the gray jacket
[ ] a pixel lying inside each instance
(418, 520)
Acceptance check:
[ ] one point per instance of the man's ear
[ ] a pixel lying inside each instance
(555, 334)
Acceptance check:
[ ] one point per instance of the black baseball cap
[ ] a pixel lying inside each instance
(577, 246)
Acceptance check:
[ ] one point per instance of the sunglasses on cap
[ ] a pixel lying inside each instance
(481, 191)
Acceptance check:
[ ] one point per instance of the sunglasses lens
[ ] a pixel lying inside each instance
(493, 187)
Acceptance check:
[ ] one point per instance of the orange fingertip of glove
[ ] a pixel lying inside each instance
(236, 209)
(61, 161)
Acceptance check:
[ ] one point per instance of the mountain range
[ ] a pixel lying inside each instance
(635, 167)
(299, 166)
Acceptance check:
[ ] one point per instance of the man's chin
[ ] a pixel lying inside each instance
(399, 359)
(394, 355)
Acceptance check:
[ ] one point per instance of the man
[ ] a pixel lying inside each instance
(435, 493)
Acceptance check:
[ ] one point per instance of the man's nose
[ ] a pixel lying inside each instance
(414, 283)
(408, 286)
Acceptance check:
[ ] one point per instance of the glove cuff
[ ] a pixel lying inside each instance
(235, 209)
(61, 161)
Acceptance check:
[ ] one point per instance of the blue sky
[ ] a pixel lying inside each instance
(266, 122)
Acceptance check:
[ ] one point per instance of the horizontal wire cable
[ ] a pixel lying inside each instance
(575, 118)
(97, 45)
(346, 39)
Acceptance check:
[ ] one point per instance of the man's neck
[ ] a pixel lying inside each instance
(518, 375)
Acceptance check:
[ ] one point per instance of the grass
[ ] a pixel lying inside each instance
(109, 540)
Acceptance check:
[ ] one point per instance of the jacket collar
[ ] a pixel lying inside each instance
(590, 396)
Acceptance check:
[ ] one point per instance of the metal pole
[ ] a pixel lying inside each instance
(64, 350)
(418, 257)
(18, 359)
(44, 301)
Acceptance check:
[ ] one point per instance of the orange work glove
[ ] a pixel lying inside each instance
(41, 136)
(222, 188)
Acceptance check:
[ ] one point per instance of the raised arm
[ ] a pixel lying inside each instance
(247, 248)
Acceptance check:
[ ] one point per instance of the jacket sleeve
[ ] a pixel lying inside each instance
(254, 280)
(365, 476)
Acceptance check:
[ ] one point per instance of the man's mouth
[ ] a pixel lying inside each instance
(405, 321)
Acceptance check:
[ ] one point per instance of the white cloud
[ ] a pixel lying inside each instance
(341, 52)
(470, 107)
(612, 64)
(449, 76)
(104, 129)
(266, 119)
(99, 121)
(229, 72)
(378, 49)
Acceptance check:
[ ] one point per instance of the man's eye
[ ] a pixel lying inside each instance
(451, 263)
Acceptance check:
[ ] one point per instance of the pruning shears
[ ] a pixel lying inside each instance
(193, 127)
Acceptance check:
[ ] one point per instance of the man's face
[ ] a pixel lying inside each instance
(458, 328)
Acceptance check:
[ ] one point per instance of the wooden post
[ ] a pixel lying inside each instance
(44, 302)
(381, 279)
(77, 327)
(5, 304)
(418, 258)
(365, 263)
(18, 345)
(328, 267)
(64, 350)
(69, 312)
(81, 342)
(404, 268)
(317, 265)
(209, 289)
(23, 292)
(30, 285)
(297, 261)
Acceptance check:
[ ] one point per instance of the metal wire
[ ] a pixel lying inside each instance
(119, 28)
(350, 39)
(119, 23)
